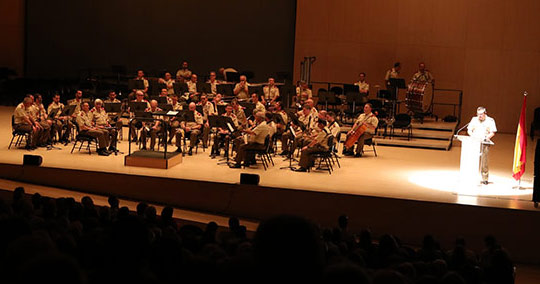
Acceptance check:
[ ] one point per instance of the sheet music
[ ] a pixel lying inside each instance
(172, 112)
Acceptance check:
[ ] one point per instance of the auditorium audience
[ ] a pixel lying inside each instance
(60, 240)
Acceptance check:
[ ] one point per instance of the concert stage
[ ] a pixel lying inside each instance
(404, 191)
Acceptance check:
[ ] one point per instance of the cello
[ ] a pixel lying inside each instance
(356, 133)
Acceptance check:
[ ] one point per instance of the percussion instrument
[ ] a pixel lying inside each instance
(419, 97)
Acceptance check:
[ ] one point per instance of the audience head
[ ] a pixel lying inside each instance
(141, 208)
(113, 201)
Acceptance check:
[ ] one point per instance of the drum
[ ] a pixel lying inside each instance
(419, 97)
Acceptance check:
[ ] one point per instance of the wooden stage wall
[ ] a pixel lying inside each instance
(407, 219)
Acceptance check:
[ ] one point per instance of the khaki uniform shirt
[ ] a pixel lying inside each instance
(21, 113)
(334, 129)
(108, 100)
(481, 129)
(99, 117)
(76, 103)
(370, 119)
(424, 77)
(198, 120)
(177, 106)
(270, 93)
(260, 107)
(54, 106)
(84, 119)
(192, 87)
(362, 86)
(243, 94)
(169, 83)
(241, 116)
(213, 86)
(322, 137)
(208, 109)
(261, 131)
(392, 73)
(183, 73)
(145, 83)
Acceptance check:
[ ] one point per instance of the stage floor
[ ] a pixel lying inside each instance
(405, 173)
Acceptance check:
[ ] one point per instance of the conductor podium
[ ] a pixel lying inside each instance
(471, 152)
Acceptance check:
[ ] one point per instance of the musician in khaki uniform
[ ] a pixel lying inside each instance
(184, 73)
(307, 118)
(208, 109)
(86, 127)
(54, 110)
(224, 135)
(174, 122)
(168, 81)
(152, 128)
(333, 125)
(192, 88)
(303, 93)
(213, 82)
(370, 121)
(101, 121)
(281, 127)
(191, 127)
(240, 114)
(422, 75)
(139, 97)
(271, 92)
(318, 144)
(363, 86)
(40, 115)
(114, 116)
(258, 105)
(241, 90)
(25, 122)
(256, 137)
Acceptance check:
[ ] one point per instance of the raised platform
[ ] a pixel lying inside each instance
(153, 159)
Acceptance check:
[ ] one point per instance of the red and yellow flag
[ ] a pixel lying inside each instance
(520, 149)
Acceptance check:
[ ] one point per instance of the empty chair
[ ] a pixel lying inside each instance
(403, 122)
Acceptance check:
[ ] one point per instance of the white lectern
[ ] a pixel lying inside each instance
(471, 151)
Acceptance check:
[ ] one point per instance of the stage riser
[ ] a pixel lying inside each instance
(408, 219)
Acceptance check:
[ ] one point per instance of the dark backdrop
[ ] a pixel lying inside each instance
(66, 37)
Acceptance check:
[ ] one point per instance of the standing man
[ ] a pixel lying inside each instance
(392, 74)
(370, 121)
(482, 127)
(363, 86)
(423, 75)
(183, 74)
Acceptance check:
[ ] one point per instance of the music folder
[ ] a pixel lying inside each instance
(113, 107)
(137, 106)
(135, 84)
(68, 110)
(165, 107)
(54, 112)
(213, 121)
(228, 123)
(397, 83)
(161, 100)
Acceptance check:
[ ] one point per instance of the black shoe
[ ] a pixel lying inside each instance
(143, 148)
(358, 155)
(190, 151)
(300, 169)
(112, 149)
(235, 166)
(103, 152)
(485, 182)
(247, 164)
(178, 150)
(284, 153)
(212, 156)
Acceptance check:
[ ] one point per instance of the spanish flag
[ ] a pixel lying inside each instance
(520, 150)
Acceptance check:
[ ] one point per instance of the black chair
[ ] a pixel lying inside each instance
(81, 138)
(335, 149)
(322, 94)
(19, 134)
(403, 122)
(535, 125)
(325, 156)
(263, 154)
(370, 142)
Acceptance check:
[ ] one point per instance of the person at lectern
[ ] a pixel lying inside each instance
(483, 128)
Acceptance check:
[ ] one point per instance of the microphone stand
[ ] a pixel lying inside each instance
(457, 132)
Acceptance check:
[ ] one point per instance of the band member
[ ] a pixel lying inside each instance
(168, 81)
(192, 89)
(140, 76)
(40, 115)
(152, 128)
(483, 128)
(303, 93)
(240, 114)
(392, 73)
(77, 101)
(86, 127)
(114, 117)
(191, 128)
(311, 104)
(54, 110)
(165, 94)
(241, 90)
(258, 105)
(213, 85)
(208, 109)
(281, 127)
(318, 144)
(333, 125)
(100, 118)
(183, 74)
(139, 97)
(370, 121)
(363, 86)
(307, 120)
(256, 137)
(423, 75)
(271, 92)
(174, 122)
(224, 135)
(25, 122)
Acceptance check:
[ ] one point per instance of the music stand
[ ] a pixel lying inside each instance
(180, 88)
(113, 107)
(165, 107)
(68, 110)
(248, 107)
(221, 109)
(134, 84)
(162, 100)
(138, 106)
(203, 88)
(54, 112)
(189, 116)
(255, 89)
(225, 89)
(232, 76)
(396, 84)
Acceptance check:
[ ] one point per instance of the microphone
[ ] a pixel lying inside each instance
(461, 129)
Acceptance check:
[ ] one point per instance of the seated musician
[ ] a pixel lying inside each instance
(100, 118)
(213, 82)
(40, 115)
(208, 109)
(168, 81)
(333, 125)
(224, 135)
(271, 92)
(60, 122)
(114, 116)
(139, 97)
(174, 122)
(317, 144)
(258, 105)
(272, 126)
(239, 113)
(422, 75)
(256, 137)
(303, 93)
(281, 127)
(183, 74)
(311, 104)
(165, 94)
(363, 86)
(191, 128)
(307, 120)
(152, 128)
(218, 101)
(87, 127)
(140, 76)
(192, 89)
(24, 121)
(370, 121)
(241, 90)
